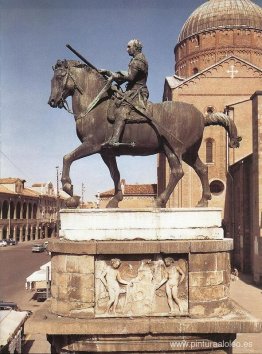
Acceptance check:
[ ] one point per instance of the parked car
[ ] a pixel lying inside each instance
(40, 247)
(3, 243)
(11, 241)
(41, 295)
(6, 305)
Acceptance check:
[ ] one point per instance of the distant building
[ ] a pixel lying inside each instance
(27, 213)
(218, 68)
(135, 196)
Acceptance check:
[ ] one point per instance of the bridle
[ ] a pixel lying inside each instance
(63, 101)
(68, 77)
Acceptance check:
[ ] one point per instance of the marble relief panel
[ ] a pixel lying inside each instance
(141, 286)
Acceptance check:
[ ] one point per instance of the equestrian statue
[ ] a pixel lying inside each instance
(113, 122)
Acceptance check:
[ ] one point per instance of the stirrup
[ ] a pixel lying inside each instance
(108, 144)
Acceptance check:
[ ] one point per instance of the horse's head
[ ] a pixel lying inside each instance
(62, 84)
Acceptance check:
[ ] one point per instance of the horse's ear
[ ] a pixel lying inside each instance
(53, 67)
(65, 63)
(59, 63)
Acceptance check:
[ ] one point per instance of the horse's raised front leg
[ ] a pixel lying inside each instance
(176, 173)
(201, 170)
(85, 149)
(110, 161)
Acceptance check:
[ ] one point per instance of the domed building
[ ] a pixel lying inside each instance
(218, 68)
(217, 29)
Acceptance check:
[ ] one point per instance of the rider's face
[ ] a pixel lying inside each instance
(130, 48)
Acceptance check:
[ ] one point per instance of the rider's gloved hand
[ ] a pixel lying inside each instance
(105, 72)
(116, 76)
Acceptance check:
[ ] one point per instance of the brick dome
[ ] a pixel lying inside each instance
(215, 14)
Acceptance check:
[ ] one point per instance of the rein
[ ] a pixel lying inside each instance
(93, 103)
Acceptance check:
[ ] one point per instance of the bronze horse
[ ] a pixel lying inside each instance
(177, 133)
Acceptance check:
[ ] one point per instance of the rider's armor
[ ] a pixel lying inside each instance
(135, 96)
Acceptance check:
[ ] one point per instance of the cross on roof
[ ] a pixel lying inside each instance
(232, 71)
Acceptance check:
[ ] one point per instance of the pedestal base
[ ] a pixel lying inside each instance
(145, 224)
(167, 291)
(142, 335)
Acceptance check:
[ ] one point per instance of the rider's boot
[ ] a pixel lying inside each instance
(118, 128)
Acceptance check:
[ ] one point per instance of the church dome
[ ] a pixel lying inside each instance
(215, 14)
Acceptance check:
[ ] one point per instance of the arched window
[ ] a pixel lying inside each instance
(18, 210)
(29, 211)
(34, 211)
(24, 233)
(197, 41)
(5, 210)
(24, 210)
(209, 151)
(12, 210)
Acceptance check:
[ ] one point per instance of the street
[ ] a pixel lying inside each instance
(16, 264)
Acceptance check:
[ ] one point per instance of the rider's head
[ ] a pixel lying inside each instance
(134, 46)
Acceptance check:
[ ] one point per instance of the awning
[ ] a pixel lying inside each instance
(10, 323)
(40, 275)
(44, 266)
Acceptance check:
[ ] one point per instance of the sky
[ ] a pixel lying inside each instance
(33, 36)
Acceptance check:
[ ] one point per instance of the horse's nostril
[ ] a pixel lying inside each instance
(51, 103)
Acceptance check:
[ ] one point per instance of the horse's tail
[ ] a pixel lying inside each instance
(225, 121)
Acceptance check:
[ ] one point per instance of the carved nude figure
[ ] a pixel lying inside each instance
(111, 278)
(172, 274)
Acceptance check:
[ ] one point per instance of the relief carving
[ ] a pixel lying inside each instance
(174, 276)
(145, 287)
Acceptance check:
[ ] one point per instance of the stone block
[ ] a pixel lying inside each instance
(87, 295)
(61, 279)
(78, 305)
(202, 262)
(208, 278)
(175, 247)
(60, 307)
(216, 292)
(82, 264)
(128, 247)
(63, 293)
(227, 277)
(58, 263)
(54, 291)
(81, 286)
(68, 247)
(83, 313)
(223, 261)
(210, 246)
(214, 308)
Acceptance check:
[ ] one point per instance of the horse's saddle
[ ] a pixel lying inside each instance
(137, 113)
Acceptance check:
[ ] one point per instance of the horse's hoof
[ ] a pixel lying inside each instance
(202, 204)
(159, 203)
(68, 188)
(73, 202)
(113, 203)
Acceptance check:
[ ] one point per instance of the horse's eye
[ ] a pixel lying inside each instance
(60, 73)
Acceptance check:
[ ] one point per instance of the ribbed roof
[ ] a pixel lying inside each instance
(134, 189)
(215, 14)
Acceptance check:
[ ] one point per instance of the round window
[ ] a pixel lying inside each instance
(217, 187)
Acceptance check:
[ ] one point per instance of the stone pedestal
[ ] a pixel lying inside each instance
(158, 281)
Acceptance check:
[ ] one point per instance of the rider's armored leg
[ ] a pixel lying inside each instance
(118, 128)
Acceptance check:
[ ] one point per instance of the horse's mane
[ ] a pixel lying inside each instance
(79, 65)
(76, 64)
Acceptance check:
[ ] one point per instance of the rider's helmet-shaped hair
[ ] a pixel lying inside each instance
(137, 44)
